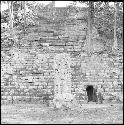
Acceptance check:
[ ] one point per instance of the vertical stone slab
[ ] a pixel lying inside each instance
(62, 77)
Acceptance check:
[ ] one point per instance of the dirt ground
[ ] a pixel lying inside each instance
(39, 114)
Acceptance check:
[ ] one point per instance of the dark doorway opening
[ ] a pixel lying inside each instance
(89, 90)
(91, 93)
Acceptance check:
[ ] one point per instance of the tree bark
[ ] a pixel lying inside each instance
(90, 22)
(24, 18)
(10, 7)
(53, 8)
(11, 17)
(92, 13)
(115, 44)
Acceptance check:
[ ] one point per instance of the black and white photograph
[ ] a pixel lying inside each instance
(61, 62)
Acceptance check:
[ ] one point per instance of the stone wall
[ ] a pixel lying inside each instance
(28, 74)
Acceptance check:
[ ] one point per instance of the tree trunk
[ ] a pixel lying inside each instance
(11, 17)
(24, 19)
(90, 22)
(115, 37)
(92, 13)
(53, 8)
(10, 7)
(21, 5)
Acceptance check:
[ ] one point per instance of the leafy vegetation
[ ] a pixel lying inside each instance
(32, 14)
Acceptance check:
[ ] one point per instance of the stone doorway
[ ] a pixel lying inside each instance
(91, 93)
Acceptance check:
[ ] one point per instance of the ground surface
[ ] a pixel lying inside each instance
(39, 114)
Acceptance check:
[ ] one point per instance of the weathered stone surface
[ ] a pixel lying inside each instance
(36, 66)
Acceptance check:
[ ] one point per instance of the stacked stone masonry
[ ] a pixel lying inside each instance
(31, 72)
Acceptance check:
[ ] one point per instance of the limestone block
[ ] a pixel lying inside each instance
(46, 74)
(40, 87)
(58, 49)
(106, 89)
(9, 98)
(72, 90)
(69, 44)
(79, 89)
(77, 49)
(117, 90)
(111, 90)
(69, 48)
(115, 82)
(4, 97)
(50, 86)
(36, 83)
(121, 77)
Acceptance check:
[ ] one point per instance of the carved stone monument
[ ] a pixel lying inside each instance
(62, 79)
